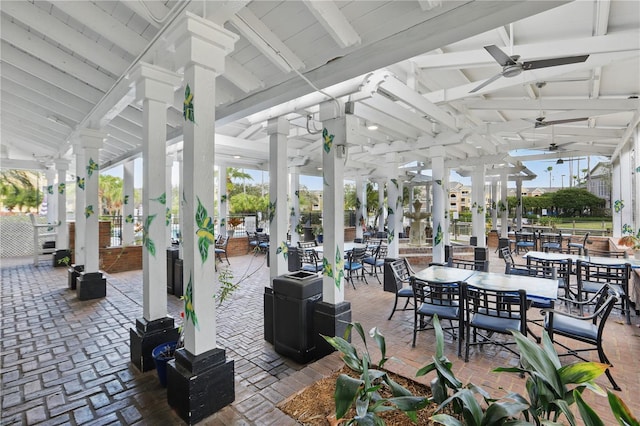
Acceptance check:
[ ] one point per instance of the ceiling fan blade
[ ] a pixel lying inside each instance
(566, 120)
(552, 62)
(489, 81)
(500, 57)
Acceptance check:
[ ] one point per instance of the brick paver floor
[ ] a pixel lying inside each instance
(64, 361)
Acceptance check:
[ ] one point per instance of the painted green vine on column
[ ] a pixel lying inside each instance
(92, 167)
(205, 232)
(126, 200)
(187, 108)
(61, 188)
(80, 182)
(272, 210)
(167, 217)
(438, 238)
(50, 189)
(284, 249)
(88, 211)
(618, 205)
(328, 140)
(146, 241)
(162, 199)
(189, 311)
(129, 218)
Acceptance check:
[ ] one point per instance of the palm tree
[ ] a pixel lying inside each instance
(110, 194)
(549, 171)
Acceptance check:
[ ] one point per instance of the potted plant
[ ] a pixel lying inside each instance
(317, 232)
(631, 240)
(165, 352)
(233, 223)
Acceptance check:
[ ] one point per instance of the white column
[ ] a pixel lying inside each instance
(447, 203)
(333, 142)
(169, 199)
(181, 205)
(478, 205)
(91, 141)
(494, 204)
(616, 197)
(202, 46)
(636, 179)
(80, 222)
(626, 193)
(519, 206)
(52, 210)
(294, 177)
(504, 213)
(154, 87)
(394, 202)
(440, 205)
(128, 203)
(278, 214)
(381, 207)
(360, 210)
(62, 231)
(223, 199)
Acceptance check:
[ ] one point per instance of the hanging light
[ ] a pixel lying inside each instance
(372, 126)
(560, 161)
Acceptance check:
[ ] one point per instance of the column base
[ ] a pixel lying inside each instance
(61, 258)
(330, 320)
(91, 285)
(74, 273)
(146, 336)
(198, 386)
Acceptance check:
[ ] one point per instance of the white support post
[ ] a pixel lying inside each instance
(440, 205)
(128, 203)
(50, 194)
(447, 203)
(223, 201)
(519, 206)
(381, 207)
(636, 179)
(62, 231)
(504, 213)
(626, 189)
(278, 214)
(494, 204)
(169, 199)
(181, 212)
(394, 210)
(478, 205)
(80, 222)
(616, 197)
(360, 207)
(294, 218)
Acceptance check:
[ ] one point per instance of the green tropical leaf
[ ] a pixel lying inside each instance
(438, 238)
(189, 311)
(201, 214)
(92, 167)
(327, 140)
(588, 414)
(347, 389)
(80, 182)
(203, 248)
(167, 217)
(162, 199)
(581, 372)
(150, 246)
(187, 107)
(61, 188)
(129, 219)
(327, 271)
(499, 411)
(126, 200)
(88, 211)
(446, 420)
(621, 412)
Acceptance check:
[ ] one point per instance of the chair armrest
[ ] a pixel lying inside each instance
(546, 311)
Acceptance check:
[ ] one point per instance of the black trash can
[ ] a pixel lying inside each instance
(293, 259)
(502, 242)
(268, 314)
(172, 255)
(294, 297)
(389, 283)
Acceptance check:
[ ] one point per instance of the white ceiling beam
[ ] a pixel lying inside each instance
(51, 130)
(244, 79)
(49, 54)
(104, 24)
(601, 23)
(414, 99)
(29, 137)
(36, 17)
(127, 126)
(550, 104)
(617, 42)
(463, 91)
(124, 137)
(576, 131)
(427, 5)
(250, 131)
(37, 68)
(40, 103)
(11, 164)
(389, 107)
(148, 10)
(504, 36)
(383, 120)
(260, 36)
(334, 22)
(632, 127)
(44, 89)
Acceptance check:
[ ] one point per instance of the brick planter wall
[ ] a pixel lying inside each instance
(120, 259)
(104, 234)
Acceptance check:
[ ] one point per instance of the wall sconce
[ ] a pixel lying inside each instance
(372, 126)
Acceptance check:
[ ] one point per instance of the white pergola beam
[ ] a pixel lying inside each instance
(260, 36)
(47, 53)
(104, 24)
(552, 104)
(389, 107)
(240, 76)
(36, 17)
(148, 10)
(334, 22)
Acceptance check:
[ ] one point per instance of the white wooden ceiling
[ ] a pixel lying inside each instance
(65, 65)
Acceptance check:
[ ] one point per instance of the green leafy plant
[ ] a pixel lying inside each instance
(227, 286)
(363, 391)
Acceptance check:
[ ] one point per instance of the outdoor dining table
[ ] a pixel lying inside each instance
(536, 288)
(347, 247)
(635, 263)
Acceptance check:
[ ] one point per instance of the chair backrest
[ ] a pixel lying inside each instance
(309, 256)
(563, 267)
(620, 254)
(524, 237)
(548, 237)
(263, 238)
(475, 265)
(307, 244)
(221, 241)
(357, 254)
(496, 305)
(612, 274)
(401, 272)
(381, 251)
(436, 293)
(584, 240)
(507, 256)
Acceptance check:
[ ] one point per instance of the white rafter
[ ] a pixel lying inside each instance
(334, 22)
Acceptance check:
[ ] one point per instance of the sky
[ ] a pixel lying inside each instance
(559, 174)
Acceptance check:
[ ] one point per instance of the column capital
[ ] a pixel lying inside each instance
(202, 42)
(278, 125)
(436, 151)
(153, 82)
(89, 138)
(62, 164)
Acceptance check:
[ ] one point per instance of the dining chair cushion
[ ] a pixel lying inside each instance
(444, 310)
(564, 325)
(311, 268)
(498, 324)
(405, 292)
